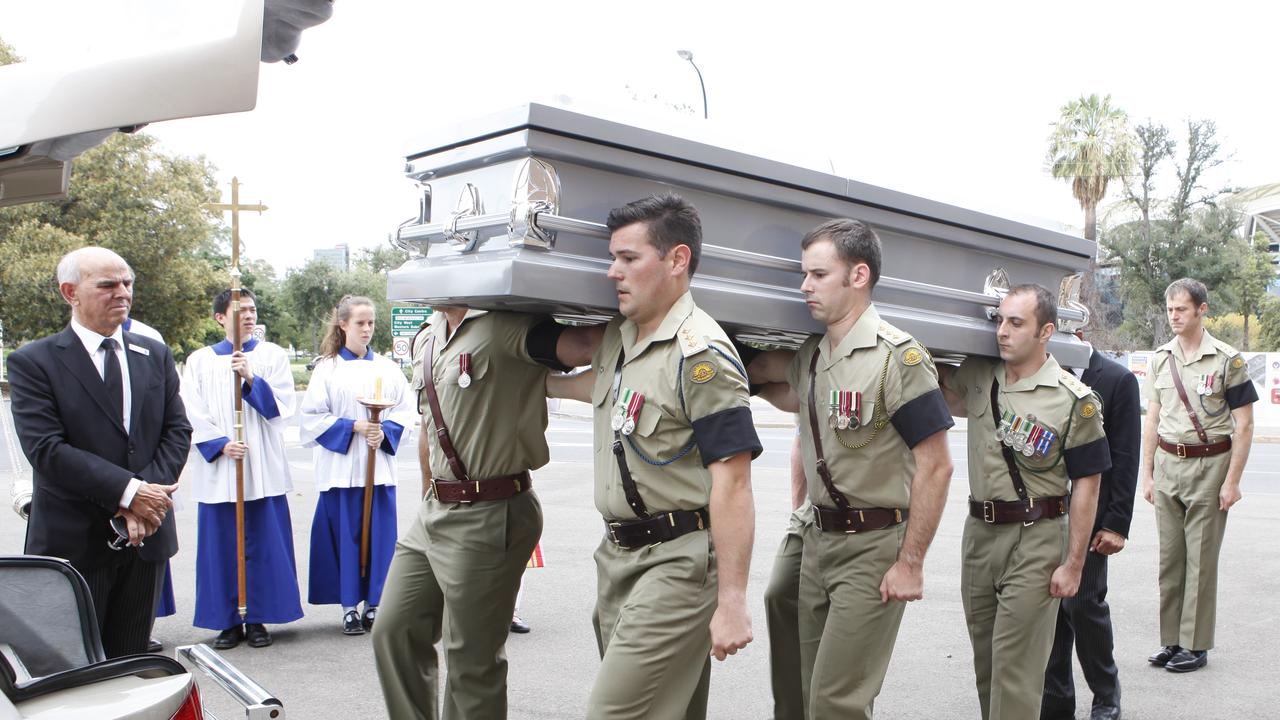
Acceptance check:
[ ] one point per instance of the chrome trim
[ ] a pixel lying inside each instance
(257, 702)
(537, 190)
(469, 205)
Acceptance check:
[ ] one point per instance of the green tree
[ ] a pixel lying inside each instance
(382, 258)
(1246, 288)
(1269, 325)
(1088, 147)
(313, 291)
(7, 54)
(144, 204)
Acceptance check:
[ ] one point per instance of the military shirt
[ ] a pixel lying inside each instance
(696, 410)
(875, 358)
(1216, 378)
(1059, 401)
(497, 423)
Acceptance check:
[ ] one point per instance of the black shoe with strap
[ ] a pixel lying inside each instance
(351, 624)
(370, 614)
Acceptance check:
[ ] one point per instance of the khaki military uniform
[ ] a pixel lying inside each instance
(1007, 567)
(1189, 522)
(846, 632)
(781, 614)
(466, 559)
(654, 604)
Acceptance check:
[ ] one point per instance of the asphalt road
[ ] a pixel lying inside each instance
(319, 673)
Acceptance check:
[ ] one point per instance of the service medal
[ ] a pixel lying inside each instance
(464, 370)
(628, 426)
(633, 402)
(1029, 448)
(618, 420)
(833, 416)
(855, 417)
(843, 422)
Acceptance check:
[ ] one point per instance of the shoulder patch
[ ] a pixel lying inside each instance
(1088, 409)
(912, 356)
(1237, 362)
(892, 334)
(691, 343)
(702, 372)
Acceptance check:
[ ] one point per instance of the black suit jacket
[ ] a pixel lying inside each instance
(1122, 422)
(81, 457)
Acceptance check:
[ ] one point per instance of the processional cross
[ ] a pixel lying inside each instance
(234, 208)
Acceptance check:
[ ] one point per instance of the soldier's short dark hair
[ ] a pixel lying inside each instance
(855, 243)
(1194, 289)
(669, 221)
(223, 301)
(1046, 304)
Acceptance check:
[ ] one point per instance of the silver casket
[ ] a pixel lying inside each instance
(513, 208)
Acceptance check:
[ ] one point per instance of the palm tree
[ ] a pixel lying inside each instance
(1089, 146)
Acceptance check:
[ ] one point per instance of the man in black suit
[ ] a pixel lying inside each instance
(1086, 618)
(98, 414)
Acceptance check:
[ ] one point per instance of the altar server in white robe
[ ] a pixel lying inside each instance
(337, 425)
(262, 373)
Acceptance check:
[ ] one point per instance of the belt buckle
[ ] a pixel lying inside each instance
(1182, 451)
(989, 512)
(852, 530)
(610, 527)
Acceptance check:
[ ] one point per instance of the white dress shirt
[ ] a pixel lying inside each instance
(92, 342)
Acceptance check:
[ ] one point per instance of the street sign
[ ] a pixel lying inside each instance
(260, 333)
(400, 347)
(405, 321)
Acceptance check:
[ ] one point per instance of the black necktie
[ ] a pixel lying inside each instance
(113, 378)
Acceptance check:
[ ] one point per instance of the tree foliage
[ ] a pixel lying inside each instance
(1190, 233)
(1090, 146)
(315, 289)
(144, 204)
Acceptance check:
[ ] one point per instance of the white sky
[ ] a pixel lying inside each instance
(946, 100)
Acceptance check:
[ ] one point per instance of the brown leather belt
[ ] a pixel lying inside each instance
(494, 488)
(1183, 450)
(856, 520)
(634, 534)
(1000, 512)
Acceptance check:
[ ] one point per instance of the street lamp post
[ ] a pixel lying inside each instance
(686, 55)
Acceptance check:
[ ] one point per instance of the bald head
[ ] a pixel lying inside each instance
(98, 285)
(70, 267)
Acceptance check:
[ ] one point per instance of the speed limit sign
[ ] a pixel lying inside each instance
(401, 347)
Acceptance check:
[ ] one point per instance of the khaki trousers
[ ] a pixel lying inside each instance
(781, 601)
(463, 560)
(846, 633)
(1004, 582)
(652, 622)
(1190, 527)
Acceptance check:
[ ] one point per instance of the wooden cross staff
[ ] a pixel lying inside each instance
(234, 208)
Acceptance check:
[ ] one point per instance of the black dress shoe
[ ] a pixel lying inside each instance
(154, 646)
(1187, 661)
(229, 638)
(370, 614)
(1105, 712)
(519, 626)
(258, 635)
(351, 624)
(1162, 656)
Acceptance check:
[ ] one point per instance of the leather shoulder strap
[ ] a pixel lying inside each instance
(1182, 393)
(442, 430)
(1019, 486)
(824, 472)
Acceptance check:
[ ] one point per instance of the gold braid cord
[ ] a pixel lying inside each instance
(879, 419)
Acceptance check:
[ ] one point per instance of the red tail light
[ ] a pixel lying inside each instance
(191, 708)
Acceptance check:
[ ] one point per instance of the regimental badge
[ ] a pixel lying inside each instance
(912, 357)
(702, 372)
(1237, 362)
(1088, 410)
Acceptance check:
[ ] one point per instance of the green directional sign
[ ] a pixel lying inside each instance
(405, 321)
